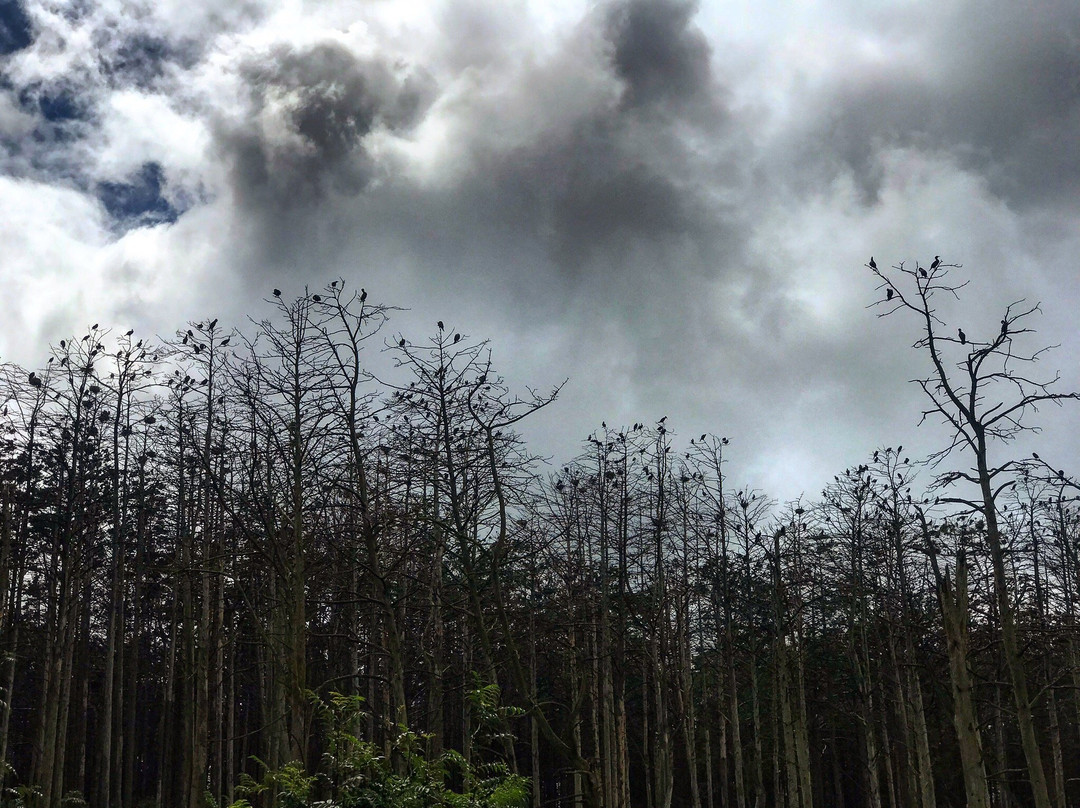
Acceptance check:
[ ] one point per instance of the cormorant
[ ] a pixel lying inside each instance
(277, 293)
(401, 342)
(922, 272)
(963, 336)
(873, 263)
(316, 298)
(889, 294)
(363, 294)
(457, 338)
(936, 263)
(440, 325)
(130, 331)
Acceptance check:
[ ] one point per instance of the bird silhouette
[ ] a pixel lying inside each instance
(1004, 328)
(225, 341)
(130, 331)
(212, 324)
(922, 272)
(34, 380)
(363, 294)
(936, 263)
(440, 325)
(277, 293)
(873, 263)
(962, 335)
(316, 298)
(457, 338)
(889, 294)
(401, 342)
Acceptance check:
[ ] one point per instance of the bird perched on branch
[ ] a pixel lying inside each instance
(889, 294)
(936, 263)
(440, 325)
(277, 293)
(963, 337)
(922, 272)
(873, 263)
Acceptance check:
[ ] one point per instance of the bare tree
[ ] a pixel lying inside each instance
(984, 396)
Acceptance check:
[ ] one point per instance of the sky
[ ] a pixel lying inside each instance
(668, 203)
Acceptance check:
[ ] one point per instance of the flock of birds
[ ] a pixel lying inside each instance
(890, 293)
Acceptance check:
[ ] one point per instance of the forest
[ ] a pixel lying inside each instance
(237, 564)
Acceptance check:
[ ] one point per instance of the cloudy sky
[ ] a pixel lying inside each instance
(669, 202)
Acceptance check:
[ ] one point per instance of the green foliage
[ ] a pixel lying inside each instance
(357, 774)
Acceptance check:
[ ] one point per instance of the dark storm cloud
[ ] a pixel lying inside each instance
(588, 191)
(999, 90)
(611, 193)
(330, 99)
(658, 51)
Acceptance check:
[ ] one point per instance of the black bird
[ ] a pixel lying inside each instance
(34, 380)
(333, 284)
(63, 343)
(962, 335)
(889, 294)
(363, 294)
(873, 263)
(225, 341)
(936, 263)
(922, 272)
(440, 324)
(662, 420)
(1035, 455)
(1004, 328)
(401, 342)
(212, 324)
(130, 331)
(457, 338)
(277, 293)
(316, 298)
